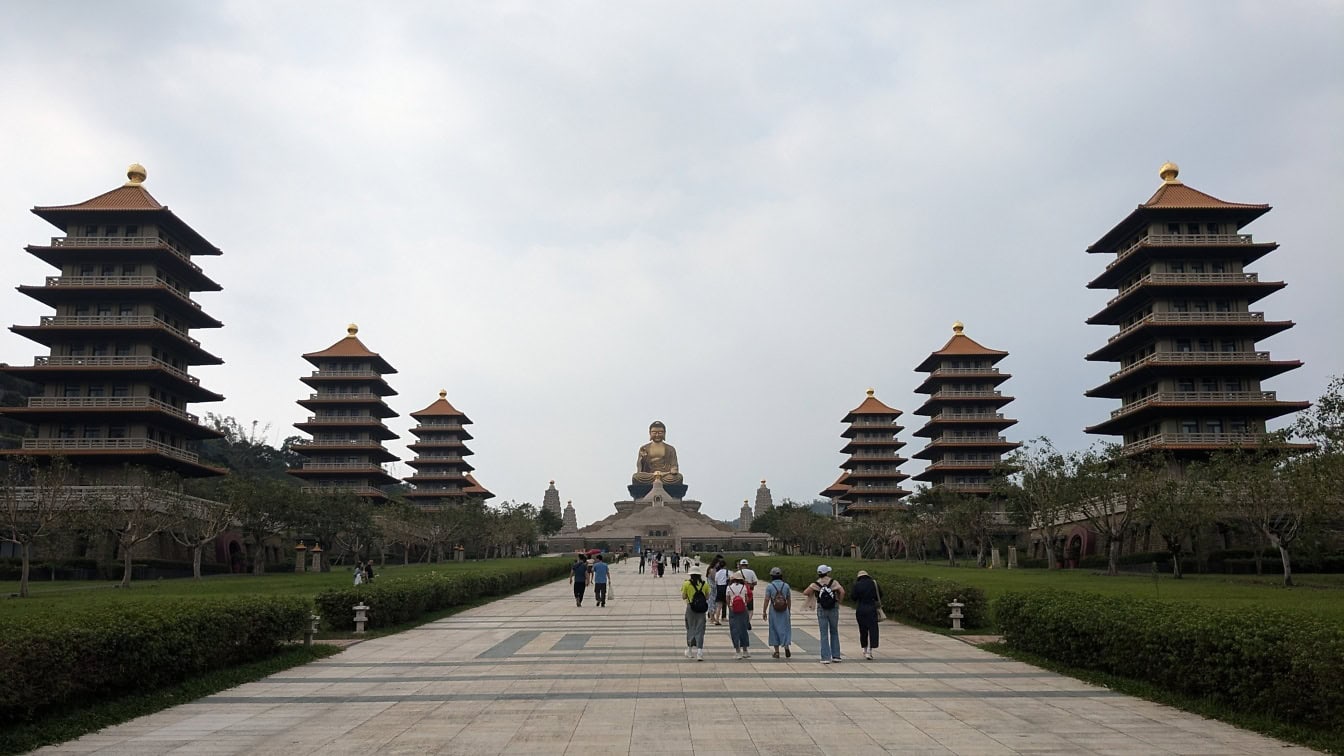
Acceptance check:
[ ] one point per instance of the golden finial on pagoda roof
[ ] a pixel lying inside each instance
(762, 481)
(135, 175)
(552, 482)
(351, 329)
(443, 393)
(958, 327)
(870, 392)
(1169, 171)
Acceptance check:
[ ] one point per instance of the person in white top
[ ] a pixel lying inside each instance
(721, 587)
(748, 579)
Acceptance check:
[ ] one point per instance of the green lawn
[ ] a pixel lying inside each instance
(1321, 595)
(48, 596)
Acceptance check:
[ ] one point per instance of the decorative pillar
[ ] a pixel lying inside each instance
(299, 550)
(317, 557)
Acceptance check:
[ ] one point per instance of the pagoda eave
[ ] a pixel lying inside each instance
(1123, 382)
(185, 271)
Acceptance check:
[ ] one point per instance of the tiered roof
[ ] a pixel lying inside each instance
(442, 474)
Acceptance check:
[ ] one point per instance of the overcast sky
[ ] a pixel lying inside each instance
(732, 217)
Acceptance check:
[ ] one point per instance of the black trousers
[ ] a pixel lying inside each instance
(867, 621)
(600, 593)
(579, 588)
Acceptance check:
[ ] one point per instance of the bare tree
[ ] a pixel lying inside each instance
(1112, 490)
(36, 501)
(194, 522)
(1039, 485)
(137, 509)
(1178, 506)
(1271, 494)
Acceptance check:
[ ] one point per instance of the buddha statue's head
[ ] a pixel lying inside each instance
(657, 431)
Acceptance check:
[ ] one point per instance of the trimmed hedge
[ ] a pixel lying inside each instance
(1288, 666)
(396, 600)
(59, 659)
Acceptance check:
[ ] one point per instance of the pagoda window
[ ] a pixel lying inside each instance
(93, 431)
(126, 309)
(1180, 305)
(113, 230)
(1214, 426)
(1189, 426)
(1214, 228)
(76, 350)
(1185, 384)
(1223, 305)
(132, 231)
(121, 389)
(1229, 345)
(1173, 228)
(1200, 305)
(86, 269)
(90, 230)
(1197, 267)
(1176, 266)
(1237, 425)
(71, 389)
(1206, 345)
(99, 350)
(1209, 385)
(66, 431)
(81, 310)
(97, 389)
(104, 309)
(116, 431)
(1233, 384)
(1192, 228)
(1217, 266)
(129, 269)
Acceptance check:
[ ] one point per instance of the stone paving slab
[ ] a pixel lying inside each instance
(534, 674)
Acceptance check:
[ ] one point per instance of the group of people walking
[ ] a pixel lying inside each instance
(659, 562)
(722, 594)
(590, 570)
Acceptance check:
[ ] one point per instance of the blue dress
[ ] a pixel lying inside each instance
(781, 627)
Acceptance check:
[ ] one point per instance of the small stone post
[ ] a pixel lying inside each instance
(996, 560)
(854, 552)
(956, 613)
(299, 550)
(1012, 557)
(360, 616)
(312, 630)
(316, 551)
(459, 554)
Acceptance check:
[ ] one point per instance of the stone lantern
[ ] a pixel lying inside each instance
(299, 550)
(316, 551)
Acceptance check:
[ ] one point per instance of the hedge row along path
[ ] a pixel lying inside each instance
(533, 673)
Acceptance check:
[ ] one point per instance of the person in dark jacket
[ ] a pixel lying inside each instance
(866, 600)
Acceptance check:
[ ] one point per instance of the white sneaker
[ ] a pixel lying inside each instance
(868, 655)
(836, 659)
(737, 654)
(746, 654)
(699, 654)
(825, 661)
(688, 652)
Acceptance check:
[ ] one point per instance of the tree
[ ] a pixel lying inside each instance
(137, 509)
(270, 507)
(35, 502)
(1112, 490)
(1178, 506)
(1272, 494)
(548, 522)
(340, 520)
(1039, 486)
(194, 522)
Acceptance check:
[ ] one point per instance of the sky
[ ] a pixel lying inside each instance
(577, 218)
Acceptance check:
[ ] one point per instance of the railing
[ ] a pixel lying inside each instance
(130, 282)
(109, 402)
(440, 426)
(1170, 240)
(1197, 397)
(873, 423)
(1158, 318)
(352, 489)
(1193, 439)
(965, 394)
(108, 444)
(1192, 358)
(968, 440)
(123, 241)
(333, 396)
(113, 321)
(964, 371)
(965, 487)
(348, 420)
(122, 361)
(338, 442)
(985, 463)
(342, 466)
(946, 417)
(438, 460)
(438, 476)
(1186, 278)
(346, 374)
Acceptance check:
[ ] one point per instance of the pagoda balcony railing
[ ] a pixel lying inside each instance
(114, 321)
(108, 444)
(109, 402)
(877, 488)
(1201, 318)
(130, 282)
(874, 423)
(964, 487)
(362, 373)
(964, 371)
(341, 466)
(1191, 278)
(123, 241)
(967, 416)
(115, 361)
(343, 420)
(1197, 397)
(888, 455)
(968, 440)
(965, 394)
(440, 426)
(338, 489)
(1171, 240)
(437, 459)
(964, 463)
(338, 442)
(437, 476)
(1192, 358)
(333, 396)
(1192, 439)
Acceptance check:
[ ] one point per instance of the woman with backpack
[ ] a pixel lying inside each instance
(739, 616)
(695, 592)
(778, 598)
(826, 593)
(867, 605)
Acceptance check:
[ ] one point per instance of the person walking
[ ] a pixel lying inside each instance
(359, 574)
(749, 579)
(601, 578)
(739, 617)
(867, 603)
(662, 566)
(368, 571)
(721, 589)
(825, 594)
(777, 614)
(578, 577)
(642, 557)
(696, 592)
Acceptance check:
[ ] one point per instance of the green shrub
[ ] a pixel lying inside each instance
(52, 660)
(1288, 666)
(397, 600)
(916, 599)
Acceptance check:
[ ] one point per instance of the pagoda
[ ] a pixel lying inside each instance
(872, 471)
(442, 474)
(764, 501)
(1189, 378)
(114, 387)
(965, 422)
(346, 453)
(550, 501)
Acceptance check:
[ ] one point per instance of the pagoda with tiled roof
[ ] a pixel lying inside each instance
(346, 453)
(965, 422)
(115, 386)
(1189, 378)
(872, 471)
(442, 473)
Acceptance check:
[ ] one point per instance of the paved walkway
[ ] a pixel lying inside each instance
(536, 674)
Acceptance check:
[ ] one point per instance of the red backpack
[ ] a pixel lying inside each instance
(738, 603)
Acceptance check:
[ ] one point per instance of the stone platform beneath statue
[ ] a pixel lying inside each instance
(641, 490)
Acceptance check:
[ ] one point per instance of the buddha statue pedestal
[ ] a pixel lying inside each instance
(640, 490)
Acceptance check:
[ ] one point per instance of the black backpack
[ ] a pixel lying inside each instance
(699, 604)
(826, 598)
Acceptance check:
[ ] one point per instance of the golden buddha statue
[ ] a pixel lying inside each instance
(657, 459)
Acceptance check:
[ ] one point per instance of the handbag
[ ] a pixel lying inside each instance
(881, 615)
